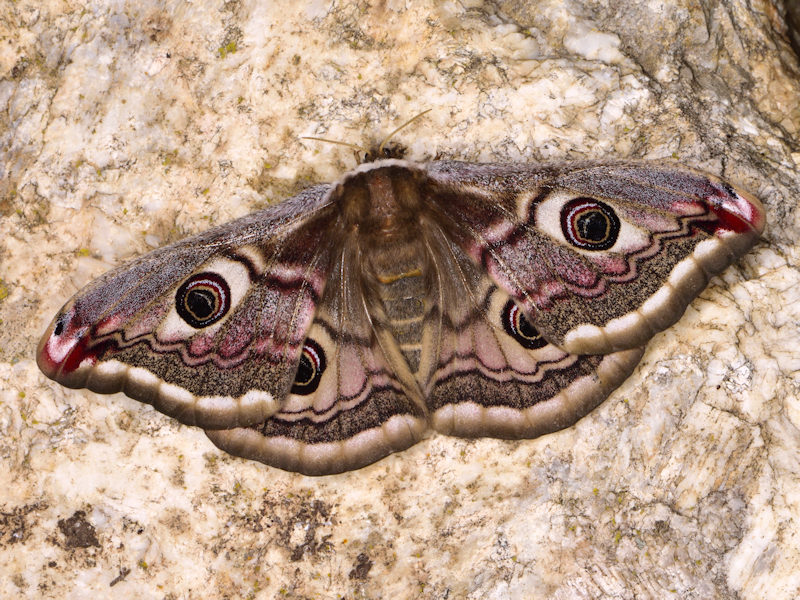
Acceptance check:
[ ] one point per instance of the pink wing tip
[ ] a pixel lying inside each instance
(737, 210)
(63, 348)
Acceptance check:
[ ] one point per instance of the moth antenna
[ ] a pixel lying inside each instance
(406, 124)
(348, 144)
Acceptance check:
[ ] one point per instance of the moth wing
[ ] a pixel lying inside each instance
(208, 330)
(361, 402)
(599, 257)
(493, 374)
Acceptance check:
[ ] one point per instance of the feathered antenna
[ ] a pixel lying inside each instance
(348, 144)
(404, 125)
(369, 155)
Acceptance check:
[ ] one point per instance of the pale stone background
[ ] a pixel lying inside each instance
(125, 125)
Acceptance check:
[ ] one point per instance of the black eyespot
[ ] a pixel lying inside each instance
(518, 327)
(309, 371)
(589, 224)
(59, 328)
(203, 299)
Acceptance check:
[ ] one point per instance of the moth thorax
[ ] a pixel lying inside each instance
(383, 201)
(397, 277)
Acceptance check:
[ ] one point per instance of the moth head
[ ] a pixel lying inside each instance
(393, 149)
(381, 152)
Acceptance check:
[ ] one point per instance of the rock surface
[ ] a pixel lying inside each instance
(128, 125)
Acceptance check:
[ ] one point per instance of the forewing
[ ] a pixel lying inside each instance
(600, 257)
(208, 330)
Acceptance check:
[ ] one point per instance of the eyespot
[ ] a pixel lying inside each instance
(518, 327)
(589, 224)
(309, 371)
(203, 299)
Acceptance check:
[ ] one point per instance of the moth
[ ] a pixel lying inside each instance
(338, 326)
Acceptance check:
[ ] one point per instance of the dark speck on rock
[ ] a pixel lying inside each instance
(78, 532)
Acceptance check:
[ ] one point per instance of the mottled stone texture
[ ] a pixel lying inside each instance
(126, 125)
